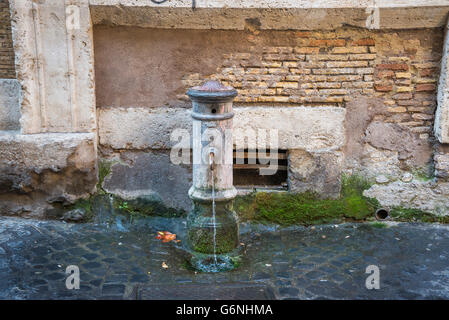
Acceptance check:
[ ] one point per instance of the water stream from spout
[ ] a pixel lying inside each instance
(113, 217)
(111, 204)
(213, 209)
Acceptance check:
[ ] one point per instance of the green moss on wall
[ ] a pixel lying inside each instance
(85, 204)
(146, 206)
(416, 215)
(142, 206)
(308, 208)
(104, 169)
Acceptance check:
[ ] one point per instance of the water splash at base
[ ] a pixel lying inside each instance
(212, 263)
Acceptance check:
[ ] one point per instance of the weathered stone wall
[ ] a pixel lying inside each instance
(7, 70)
(34, 185)
(374, 89)
(48, 147)
(384, 82)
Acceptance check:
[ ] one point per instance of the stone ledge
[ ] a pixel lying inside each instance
(9, 104)
(39, 172)
(314, 129)
(253, 4)
(44, 151)
(276, 15)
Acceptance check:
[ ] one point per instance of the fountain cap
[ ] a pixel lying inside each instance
(212, 91)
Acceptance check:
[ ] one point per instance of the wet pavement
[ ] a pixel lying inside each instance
(325, 262)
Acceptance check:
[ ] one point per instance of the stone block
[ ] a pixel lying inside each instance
(54, 62)
(40, 172)
(424, 195)
(293, 15)
(143, 174)
(141, 128)
(9, 104)
(318, 172)
(441, 163)
(309, 128)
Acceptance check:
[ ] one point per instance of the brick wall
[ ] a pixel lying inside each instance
(399, 68)
(409, 90)
(7, 69)
(331, 68)
(325, 71)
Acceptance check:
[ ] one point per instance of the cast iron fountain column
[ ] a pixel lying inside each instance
(212, 225)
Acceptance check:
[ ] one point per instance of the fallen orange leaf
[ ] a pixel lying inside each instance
(166, 236)
(169, 237)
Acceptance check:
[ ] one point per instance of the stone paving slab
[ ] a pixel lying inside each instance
(326, 262)
(246, 291)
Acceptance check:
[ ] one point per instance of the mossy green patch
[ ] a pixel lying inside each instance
(236, 261)
(85, 204)
(139, 207)
(308, 208)
(187, 265)
(416, 215)
(379, 225)
(146, 206)
(104, 169)
(202, 240)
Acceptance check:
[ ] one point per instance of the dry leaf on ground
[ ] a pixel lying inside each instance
(166, 236)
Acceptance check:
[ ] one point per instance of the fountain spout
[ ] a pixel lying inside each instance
(211, 161)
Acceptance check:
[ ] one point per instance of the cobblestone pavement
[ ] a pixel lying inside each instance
(326, 262)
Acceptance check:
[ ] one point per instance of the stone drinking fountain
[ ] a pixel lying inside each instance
(212, 225)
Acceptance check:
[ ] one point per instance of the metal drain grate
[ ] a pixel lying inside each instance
(203, 292)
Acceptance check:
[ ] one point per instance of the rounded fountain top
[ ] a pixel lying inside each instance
(213, 85)
(212, 91)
